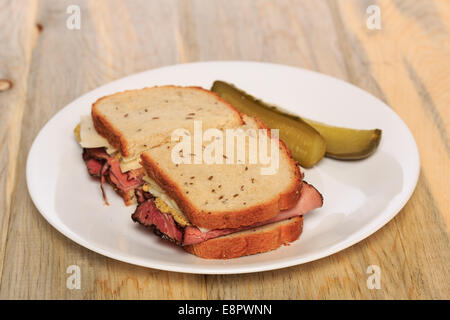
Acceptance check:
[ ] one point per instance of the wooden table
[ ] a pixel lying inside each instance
(45, 65)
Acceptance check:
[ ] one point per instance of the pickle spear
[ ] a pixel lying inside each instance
(306, 144)
(347, 144)
(341, 143)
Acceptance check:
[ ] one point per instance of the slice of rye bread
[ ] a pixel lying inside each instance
(135, 120)
(218, 196)
(243, 243)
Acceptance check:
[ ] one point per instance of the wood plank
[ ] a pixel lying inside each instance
(17, 36)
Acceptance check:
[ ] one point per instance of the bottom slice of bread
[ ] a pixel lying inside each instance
(257, 240)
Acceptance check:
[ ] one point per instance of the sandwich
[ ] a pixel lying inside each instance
(215, 210)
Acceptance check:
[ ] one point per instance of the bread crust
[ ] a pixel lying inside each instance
(113, 135)
(228, 219)
(108, 131)
(244, 244)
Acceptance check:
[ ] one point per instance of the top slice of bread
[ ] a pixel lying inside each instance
(217, 196)
(136, 120)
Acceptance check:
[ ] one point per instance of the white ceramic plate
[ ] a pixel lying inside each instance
(360, 196)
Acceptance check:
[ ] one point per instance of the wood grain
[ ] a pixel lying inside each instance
(17, 40)
(405, 64)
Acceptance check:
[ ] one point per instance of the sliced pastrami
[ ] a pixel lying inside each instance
(148, 215)
(310, 199)
(101, 165)
(94, 167)
(124, 181)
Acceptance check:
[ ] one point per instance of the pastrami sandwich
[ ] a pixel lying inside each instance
(219, 209)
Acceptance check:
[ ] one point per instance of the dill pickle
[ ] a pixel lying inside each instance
(341, 143)
(347, 144)
(306, 144)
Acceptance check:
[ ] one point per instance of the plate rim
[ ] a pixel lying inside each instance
(195, 269)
